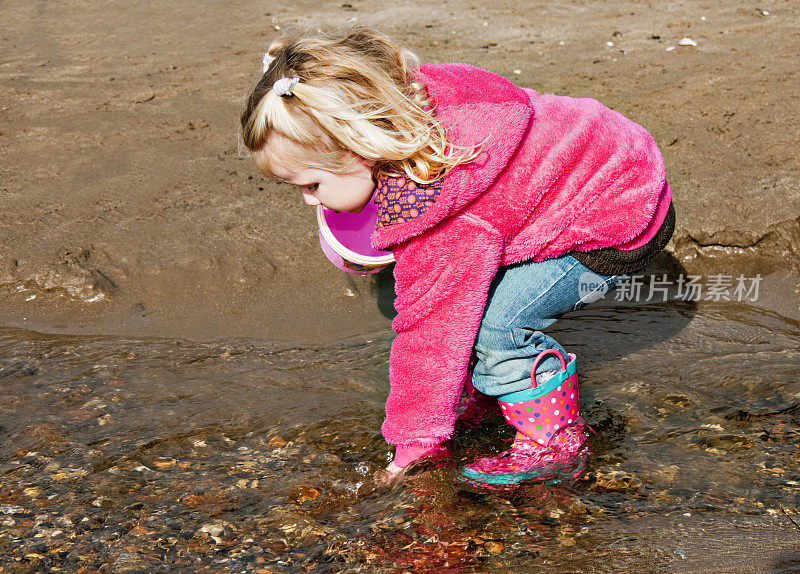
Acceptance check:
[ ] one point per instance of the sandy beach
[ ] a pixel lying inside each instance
(129, 208)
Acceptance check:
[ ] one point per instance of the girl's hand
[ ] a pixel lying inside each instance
(389, 475)
(393, 469)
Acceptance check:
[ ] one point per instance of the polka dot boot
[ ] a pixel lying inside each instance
(550, 432)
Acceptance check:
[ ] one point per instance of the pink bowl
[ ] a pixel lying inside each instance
(345, 240)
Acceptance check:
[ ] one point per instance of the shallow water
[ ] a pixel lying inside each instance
(149, 455)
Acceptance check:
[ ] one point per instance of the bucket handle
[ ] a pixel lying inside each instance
(539, 358)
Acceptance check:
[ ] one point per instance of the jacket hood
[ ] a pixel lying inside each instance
(474, 107)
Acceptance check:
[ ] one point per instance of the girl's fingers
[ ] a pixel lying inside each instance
(388, 476)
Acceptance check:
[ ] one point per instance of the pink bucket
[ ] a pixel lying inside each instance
(345, 240)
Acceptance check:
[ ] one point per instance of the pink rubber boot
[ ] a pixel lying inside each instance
(474, 406)
(548, 445)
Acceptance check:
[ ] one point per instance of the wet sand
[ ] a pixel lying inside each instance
(128, 209)
(150, 279)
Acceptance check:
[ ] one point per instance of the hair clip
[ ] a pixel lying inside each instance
(266, 61)
(284, 86)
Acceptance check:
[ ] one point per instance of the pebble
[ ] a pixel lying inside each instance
(686, 42)
(140, 98)
(493, 547)
(212, 529)
(163, 462)
(617, 481)
(305, 493)
(277, 441)
(567, 539)
(11, 509)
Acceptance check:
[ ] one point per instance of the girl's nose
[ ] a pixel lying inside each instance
(310, 199)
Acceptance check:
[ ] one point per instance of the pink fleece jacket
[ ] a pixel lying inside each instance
(554, 174)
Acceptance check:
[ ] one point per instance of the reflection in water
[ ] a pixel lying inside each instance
(137, 453)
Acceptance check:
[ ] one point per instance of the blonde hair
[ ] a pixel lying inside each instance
(356, 93)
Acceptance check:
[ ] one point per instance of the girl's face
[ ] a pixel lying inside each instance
(348, 190)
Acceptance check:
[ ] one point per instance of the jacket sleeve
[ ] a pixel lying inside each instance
(442, 279)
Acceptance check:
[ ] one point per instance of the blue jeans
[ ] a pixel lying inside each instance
(524, 299)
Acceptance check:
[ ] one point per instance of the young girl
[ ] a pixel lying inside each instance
(504, 209)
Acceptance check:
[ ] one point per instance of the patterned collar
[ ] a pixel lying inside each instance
(400, 199)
